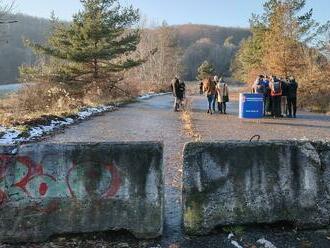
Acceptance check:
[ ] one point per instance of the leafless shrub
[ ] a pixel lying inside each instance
(33, 101)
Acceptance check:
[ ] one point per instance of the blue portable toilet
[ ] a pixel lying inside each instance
(251, 106)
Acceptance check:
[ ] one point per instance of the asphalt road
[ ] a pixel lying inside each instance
(229, 127)
(154, 120)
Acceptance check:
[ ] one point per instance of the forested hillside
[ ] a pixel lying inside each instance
(13, 53)
(215, 44)
(198, 43)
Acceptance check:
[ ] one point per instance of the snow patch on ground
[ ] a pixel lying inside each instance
(10, 136)
(158, 246)
(265, 243)
(230, 235)
(236, 244)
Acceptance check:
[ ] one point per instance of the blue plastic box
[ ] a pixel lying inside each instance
(251, 106)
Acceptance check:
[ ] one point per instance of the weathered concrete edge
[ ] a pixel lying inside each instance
(14, 149)
(158, 145)
(195, 147)
(192, 148)
(154, 144)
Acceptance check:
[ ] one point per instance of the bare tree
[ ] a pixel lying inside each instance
(327, 45)
(5, 9)
(164, 61)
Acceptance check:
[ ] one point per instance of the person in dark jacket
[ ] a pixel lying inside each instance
(175, 85)
(292, 97)
(201, 88)
(182, 93)
(284, 109)
(258, 86)
(267, 97)
(276, 94)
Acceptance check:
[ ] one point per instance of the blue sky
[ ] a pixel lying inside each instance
(216, 12)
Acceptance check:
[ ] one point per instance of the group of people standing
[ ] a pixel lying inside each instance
(215, 88)
(280, 95)
(216, 91)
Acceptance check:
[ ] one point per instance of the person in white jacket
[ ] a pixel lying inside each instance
(223, 96)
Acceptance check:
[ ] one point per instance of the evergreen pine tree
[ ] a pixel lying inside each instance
(205, 70)
(94, 47)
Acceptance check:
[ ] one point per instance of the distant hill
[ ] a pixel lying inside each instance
(190, 33)
(216, 44)
(13, 53)
(198, 42)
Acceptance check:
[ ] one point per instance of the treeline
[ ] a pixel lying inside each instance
(287, 42)
(196, 43)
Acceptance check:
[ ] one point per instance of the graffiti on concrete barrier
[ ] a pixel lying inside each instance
(35, 183)
(115, 182)
(5, 161)
(89, 179)
(22, 178)
(108, 180)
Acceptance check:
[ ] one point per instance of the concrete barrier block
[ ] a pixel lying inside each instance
(241, 183)
(48, 189)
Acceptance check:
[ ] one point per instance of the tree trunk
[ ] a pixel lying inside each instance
(96, 71)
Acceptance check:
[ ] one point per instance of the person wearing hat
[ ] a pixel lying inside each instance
(292, 97)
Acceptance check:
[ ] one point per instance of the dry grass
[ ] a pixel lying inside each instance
(317, 100)
(35, 102)
(187, 121)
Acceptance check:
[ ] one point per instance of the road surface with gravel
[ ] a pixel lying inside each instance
(154, 120)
